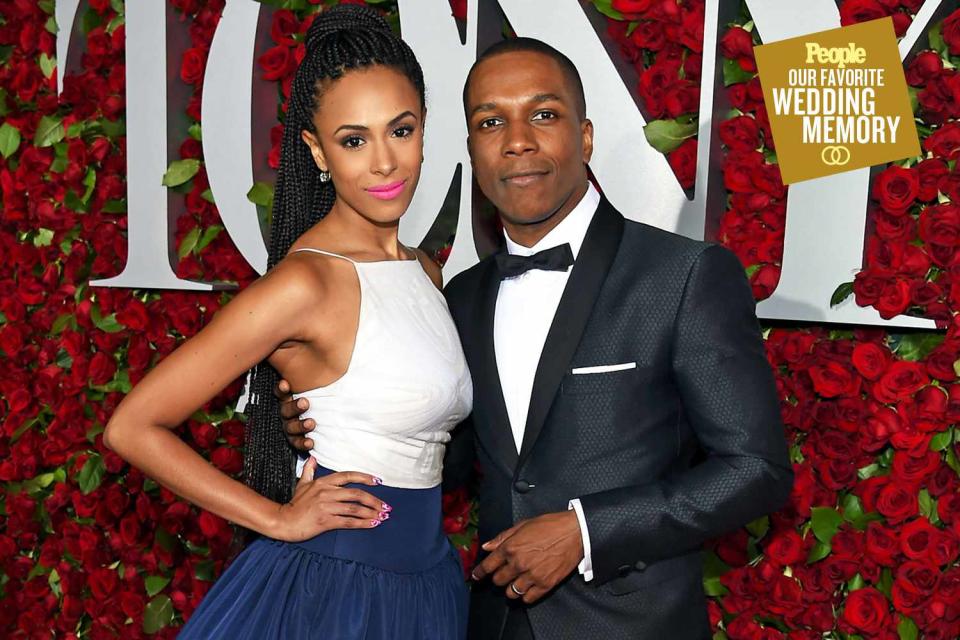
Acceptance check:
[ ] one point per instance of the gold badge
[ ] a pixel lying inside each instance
(837, 100)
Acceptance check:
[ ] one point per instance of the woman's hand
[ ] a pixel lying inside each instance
(323, 504)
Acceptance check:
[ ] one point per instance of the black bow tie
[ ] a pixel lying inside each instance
(554, 259)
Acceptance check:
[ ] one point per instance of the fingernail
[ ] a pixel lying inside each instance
(387, 507)
(474, 576)
(375, 523)
(300, 404)
(384, 516)
(377, 480)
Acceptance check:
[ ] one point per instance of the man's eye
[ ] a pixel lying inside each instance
(544, 115)
(489, 122)
(352, 142)
(403, 132)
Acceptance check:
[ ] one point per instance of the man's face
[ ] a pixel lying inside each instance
(528, 145)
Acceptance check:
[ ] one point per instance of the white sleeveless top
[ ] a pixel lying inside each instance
(406, 387)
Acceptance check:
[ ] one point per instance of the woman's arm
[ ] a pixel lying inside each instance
(247, 330)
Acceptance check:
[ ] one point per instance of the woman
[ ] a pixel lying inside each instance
(355, 320)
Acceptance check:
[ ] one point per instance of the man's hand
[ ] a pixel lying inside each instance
(533, 556)
(290, 410)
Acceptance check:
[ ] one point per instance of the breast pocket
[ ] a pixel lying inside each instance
(607, 378)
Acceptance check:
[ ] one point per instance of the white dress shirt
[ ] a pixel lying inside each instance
(525, 308)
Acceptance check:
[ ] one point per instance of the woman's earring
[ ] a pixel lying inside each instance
(324, 176)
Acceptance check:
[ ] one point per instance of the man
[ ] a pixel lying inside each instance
(624, 411)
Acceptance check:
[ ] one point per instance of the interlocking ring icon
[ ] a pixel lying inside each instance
(835, 155)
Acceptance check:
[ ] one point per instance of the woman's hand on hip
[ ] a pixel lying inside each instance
(323, 504)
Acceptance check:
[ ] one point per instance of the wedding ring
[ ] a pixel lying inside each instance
(513, 587)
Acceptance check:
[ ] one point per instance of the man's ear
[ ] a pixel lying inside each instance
(586, 130)
(315, 150)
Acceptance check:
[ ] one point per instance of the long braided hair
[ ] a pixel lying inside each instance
(341, 38)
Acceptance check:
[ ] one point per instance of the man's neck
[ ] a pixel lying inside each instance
(528, 235)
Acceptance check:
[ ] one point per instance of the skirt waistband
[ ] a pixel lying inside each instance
(411, 540)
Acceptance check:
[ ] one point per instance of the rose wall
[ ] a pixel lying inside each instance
(89, 547)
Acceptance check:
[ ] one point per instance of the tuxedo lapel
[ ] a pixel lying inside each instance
(488, 377)
(586, 279)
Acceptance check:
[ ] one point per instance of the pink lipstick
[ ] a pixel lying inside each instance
(387, 191)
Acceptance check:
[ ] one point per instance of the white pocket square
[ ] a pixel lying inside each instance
(604, 368)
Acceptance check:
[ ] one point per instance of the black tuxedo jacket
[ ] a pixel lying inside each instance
(684, 447)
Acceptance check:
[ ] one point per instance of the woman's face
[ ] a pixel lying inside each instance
(369, 127)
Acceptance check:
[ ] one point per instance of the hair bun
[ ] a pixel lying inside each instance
(345, 17)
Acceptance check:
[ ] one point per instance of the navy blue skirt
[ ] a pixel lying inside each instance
(400, 581)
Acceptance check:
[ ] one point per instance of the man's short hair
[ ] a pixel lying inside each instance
(535, 46)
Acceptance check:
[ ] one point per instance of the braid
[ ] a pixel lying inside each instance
(342, 38)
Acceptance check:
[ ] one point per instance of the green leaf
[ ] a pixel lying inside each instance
(90, 21)
(48, 64)
(928, 506)
(826, 522)
(841, 293)
(3, 94)
(856, 582)
(667, 135)
(155, 584)
(43, 238)
(194, 131)
(752, 269)
(208, 236)
(951, 460)
(108, 324)
(907, 629)
(714, 588)
(49, 131)
(204, 570)
(941, 441)
(180, 171)
(759, 527)
(261, 193)
(157, 614)
(51, 25)
(117, 21)
(207, 195)
(115, 206)
(818, 552)
(917, 346)
(606, 8)
(9, 139)
(91, 475)
(189, 242)
(935, 36)
(64, 359)
(733, 73)
(90, 180)
(62, 322)
(713, 566)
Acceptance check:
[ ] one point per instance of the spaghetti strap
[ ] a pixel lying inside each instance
(326, 253)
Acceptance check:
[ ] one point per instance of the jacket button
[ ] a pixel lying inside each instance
(641, 565)
(624, 570)
(522, 486)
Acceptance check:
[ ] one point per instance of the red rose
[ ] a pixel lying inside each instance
(683, 161)
(276, 63)
(866, 610)
(897, 502)
(740, 133)
(737, 43)
(102, 582)
(631, 9)
(227, 459)
(940, 224)
(191, 68)
(944, 142)
(832, 379)
(894, 299)
(283, 26)
(882, 545)
(916, 538)
(102, 368)
(870, 360)
(896, 188)
(786, 548)
(925, 65)
(913, 469)
(649, 34)
(902, 379)
(951, 32)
